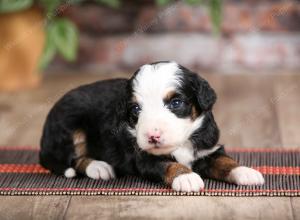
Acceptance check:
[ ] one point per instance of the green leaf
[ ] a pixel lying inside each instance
(193, 2)
(50, 5)
(216, 14)
(110, 3)
(49, 49)
(14, 5)
(65, 37)
(162, 2)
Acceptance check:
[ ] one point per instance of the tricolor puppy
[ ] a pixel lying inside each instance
(158, 125)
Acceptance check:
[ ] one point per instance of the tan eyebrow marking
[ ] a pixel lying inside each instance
(169, 95)
(134, 99)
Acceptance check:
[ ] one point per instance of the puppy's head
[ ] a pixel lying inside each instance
(167, 106)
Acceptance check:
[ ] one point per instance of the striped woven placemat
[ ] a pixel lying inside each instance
(20, 174)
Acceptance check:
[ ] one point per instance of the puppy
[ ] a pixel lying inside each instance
(158, 125)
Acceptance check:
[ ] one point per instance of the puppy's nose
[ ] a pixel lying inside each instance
(154, 137)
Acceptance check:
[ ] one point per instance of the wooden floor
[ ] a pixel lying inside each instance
(252, 111)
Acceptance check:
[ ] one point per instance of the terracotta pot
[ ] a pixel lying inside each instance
(22, 39)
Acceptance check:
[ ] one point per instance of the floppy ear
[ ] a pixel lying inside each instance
(206, 96)
(199, 89)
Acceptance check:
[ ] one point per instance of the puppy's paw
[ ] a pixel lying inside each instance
(100, 170)
(70, 172)
(245, 176)
(190, 182)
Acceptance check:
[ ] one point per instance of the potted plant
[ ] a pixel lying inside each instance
(33, 31)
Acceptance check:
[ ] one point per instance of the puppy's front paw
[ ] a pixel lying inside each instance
(190, 182)
(245, 176)
(99, 170)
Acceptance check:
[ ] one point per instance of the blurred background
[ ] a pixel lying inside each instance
(249, 51)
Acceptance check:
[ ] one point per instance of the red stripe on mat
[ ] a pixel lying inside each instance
(229, 149)
(271, 170)
(22, 168)
(147, 190)
(36, 168)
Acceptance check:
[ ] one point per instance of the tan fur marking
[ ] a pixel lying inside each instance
(194, 114)
(79, 137)
(79, 141)
(80, 150)
(82, 161)
(173, 170)
(221, 167)
(134, 99)
(169, 95)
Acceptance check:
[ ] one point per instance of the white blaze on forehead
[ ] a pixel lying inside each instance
(157, 79)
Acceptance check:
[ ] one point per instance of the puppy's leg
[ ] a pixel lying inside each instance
(83, 164)
(176, 175)
(221, 167)
(245, 176)
(96, 169)
(182, 178)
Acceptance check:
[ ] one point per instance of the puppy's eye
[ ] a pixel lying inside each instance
(176, 103)
(135, 109)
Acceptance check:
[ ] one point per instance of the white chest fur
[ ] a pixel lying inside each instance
(186, 155)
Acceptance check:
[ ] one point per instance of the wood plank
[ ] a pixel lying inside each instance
(16, 207)
(295, 201)
(260, 127)
(287, 89)
(246, 114)
(33, 207)
(164, 207)
(53, 207)
(225, 115)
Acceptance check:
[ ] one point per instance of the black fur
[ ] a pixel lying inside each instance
(198, 90)
(186, 108)
(207, 135)
(102, 111)
(203, 98)
(203, 165)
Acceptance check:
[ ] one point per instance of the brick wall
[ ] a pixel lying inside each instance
(255, 36)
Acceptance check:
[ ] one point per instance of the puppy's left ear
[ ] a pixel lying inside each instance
(206, 96)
